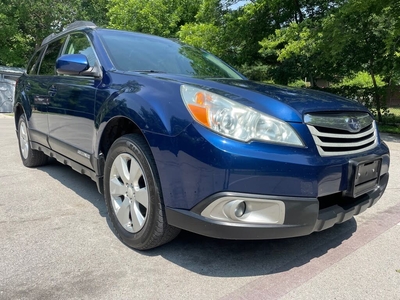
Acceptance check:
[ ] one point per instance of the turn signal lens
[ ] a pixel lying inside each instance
(200, 113)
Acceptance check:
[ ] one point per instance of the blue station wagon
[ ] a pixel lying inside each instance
(176, 139)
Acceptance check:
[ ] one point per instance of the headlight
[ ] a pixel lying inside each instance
(235, 120)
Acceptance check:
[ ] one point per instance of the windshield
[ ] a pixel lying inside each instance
(138, 52)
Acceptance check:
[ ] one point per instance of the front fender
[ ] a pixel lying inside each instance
(154, 108)
(154, 105)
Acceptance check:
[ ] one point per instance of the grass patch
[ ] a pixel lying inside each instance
(395, 110)
(391, 121)
(389, 128)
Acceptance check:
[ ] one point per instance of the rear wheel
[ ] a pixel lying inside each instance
(133, 195)
(30, 157)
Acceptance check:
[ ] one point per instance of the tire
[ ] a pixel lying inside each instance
(30, 158)
(133, 195)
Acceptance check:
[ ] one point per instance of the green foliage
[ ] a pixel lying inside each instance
(95, 11)
(159, 17)
(391, 120)
(258, 72)
(360, 80)
(360, 30)
(349, 37)
(207, 28)
(354, 44)
(25, 23)
(210, 11)
(296, 50)
(389, 129)
(298, 83)
(206, 36)
(153, 16)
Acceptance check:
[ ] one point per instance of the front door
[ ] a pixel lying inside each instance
(71, 110)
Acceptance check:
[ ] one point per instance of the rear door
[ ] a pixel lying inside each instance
(71, 109)
(38, 90)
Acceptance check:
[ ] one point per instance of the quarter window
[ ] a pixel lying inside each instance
(48, 65)
(33, 64)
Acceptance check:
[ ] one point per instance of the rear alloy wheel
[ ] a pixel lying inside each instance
(30, 157)
(133, 196)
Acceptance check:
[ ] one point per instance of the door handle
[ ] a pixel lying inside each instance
(52, 91)
(41, 100)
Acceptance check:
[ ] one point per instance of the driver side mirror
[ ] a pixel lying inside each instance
(76, 65)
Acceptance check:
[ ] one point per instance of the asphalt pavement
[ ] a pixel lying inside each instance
(56, 242)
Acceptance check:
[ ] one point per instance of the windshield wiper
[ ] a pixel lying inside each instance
(149, 71)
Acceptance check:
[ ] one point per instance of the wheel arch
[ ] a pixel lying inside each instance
(18, 111)
(113, 129)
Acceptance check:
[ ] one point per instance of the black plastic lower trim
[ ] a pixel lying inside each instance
(338, 214)
(295, 223)
(302, 217)
(234, 231)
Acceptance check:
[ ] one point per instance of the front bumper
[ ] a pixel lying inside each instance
(302, 215)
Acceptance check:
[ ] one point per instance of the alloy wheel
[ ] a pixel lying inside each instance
(128, 191)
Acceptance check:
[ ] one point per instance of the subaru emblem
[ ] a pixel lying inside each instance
(353, 124)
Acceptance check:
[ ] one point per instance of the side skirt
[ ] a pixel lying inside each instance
(74, 165)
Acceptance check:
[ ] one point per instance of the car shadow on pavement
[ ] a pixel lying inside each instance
(216, 257)
(227, 258)
(81, 184)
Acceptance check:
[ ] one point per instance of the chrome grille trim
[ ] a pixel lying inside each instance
(339, 120)
(346, 142)
(315, 132)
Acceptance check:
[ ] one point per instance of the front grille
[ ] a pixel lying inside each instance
(342, 133)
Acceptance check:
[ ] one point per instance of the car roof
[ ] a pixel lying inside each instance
(73, 26)
(81, 25)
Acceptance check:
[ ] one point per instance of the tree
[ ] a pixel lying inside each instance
(355, 39)
(95, 11)
(270, 40)
(159, 17)
(206, 31)
(11, 52)
(25, 23)
(349, 37)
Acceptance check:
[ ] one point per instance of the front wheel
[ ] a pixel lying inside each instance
(30, 157)
(133, 196)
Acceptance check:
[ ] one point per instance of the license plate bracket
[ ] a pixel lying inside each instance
(363, 176)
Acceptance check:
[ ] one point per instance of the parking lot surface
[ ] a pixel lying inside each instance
(56, 243)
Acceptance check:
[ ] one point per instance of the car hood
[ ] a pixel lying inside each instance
(286, 103)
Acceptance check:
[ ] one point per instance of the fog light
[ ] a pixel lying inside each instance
(240, 209)
(246, 210)
(234, 209)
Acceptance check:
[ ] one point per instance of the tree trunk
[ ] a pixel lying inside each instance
(298, 14)
(376, 90)
(312, 83)
(376, 96)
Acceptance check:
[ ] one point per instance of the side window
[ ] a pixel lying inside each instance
(33, 64)
(78, 43)
(48, 65)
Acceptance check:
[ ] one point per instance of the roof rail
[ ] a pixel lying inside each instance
(78, 24)
(70, 27)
